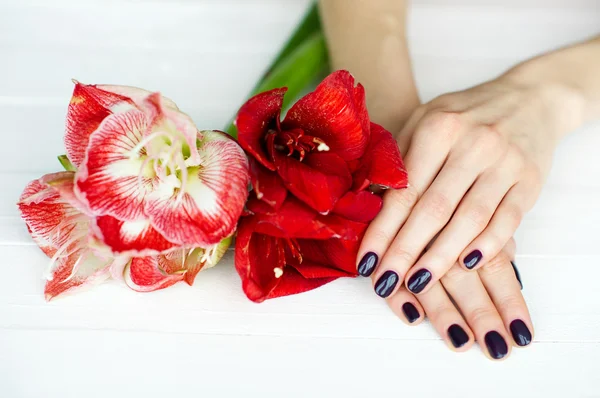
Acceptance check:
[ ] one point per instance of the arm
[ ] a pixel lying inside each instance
(368, 39)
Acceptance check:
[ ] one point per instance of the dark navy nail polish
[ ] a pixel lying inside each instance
(520, 332)
(473, 259)
(517, 273)
(367, 264)
(496, 345)
(419, 280)
(410, 312)
(457, 336)
(386, 283)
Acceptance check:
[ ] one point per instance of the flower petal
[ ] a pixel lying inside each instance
(134, 238)
(336, 112)
(360, 206)
(312, 270)
(255, 118)
(89, 270)
(137, 95)
(337, 253)
(107, 180)
(213, 196)
(51, 219)
(285, 222)
(259, 260)
(144, 274)
(267, 184)
(319, 181)
(178, 126)
(292, 282)
(89, 106)
(382, 163)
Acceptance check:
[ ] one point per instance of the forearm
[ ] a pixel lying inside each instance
(573, 73)
(368, 38)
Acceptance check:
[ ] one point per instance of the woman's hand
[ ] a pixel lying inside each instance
(476, 162)
(493, 310)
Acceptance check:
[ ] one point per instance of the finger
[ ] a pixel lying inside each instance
(500, 229)
(406, 307)
(472, 299)
(499, 279)
(446, 319)
(470, 219)
(423, 163)
(510, 249)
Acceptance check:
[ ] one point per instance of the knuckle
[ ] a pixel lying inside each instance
(404, 198)
(496, 266)
(490, 140)
(510, 301)
(454, 275)
(516, 158)
(400, 255)
(380, 236)
(479, 215)
(442, 125)
(438, 206)
(480, 314)
(513, 214)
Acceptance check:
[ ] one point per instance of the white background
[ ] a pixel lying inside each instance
(341, 340)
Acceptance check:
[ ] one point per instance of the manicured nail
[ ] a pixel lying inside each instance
(386, 283)
(411, 312)
(367, 264)
(517, 273)
(520, 332)
(496, 345)
(458, 336)
(473, 259)
(419, 280)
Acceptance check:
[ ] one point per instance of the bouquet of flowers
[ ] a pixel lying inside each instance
(148, 198)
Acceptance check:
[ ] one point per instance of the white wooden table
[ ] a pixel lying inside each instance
(341, 340)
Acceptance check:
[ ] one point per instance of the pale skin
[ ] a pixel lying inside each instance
(476, 159)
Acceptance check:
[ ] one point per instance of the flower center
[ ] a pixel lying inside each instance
(297, 144)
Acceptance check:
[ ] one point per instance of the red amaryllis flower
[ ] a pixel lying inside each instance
(311, 175)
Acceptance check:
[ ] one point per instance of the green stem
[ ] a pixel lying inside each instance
(301, 61)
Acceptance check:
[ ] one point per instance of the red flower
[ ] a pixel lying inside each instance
(310, 175)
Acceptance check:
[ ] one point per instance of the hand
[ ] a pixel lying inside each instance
(493, 308)
(476, 162)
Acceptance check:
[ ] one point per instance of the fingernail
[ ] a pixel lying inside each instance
(496, 345)
(458, 336)
(520, 332)
(411, 312)
(473, 259)
(386, 283)
(367, 264)
(517, 273)
(419, 280)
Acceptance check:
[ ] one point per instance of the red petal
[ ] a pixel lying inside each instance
(135, 94)
(108, 179)
(319, 181)
(89, 106)
(292, 282)
(267, 184)
(382, 163)
(131, 237)
(213, 196)
(259, 114)
(329, 226)
(337, 253)
(259, 259)
(51, 219)
(359, 206)
(143, 274)
(335, 112)
(293, 216)
(90, 270)
(312, 270)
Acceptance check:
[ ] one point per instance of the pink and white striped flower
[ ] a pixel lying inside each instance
(152, 198)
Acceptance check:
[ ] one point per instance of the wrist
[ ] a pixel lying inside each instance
(563, 102)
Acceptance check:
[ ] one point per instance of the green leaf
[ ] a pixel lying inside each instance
(300, 68)
(66, 163)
